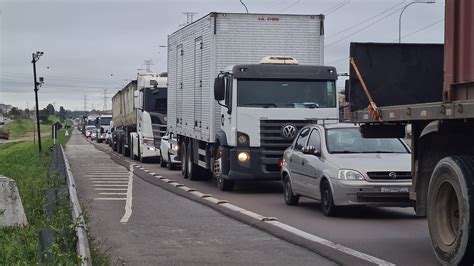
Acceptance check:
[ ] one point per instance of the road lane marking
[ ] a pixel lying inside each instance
(328, 243)
(110, 178)
(109, 182)
(128, 203)
(109, 185)
(110, 189)
(112, 193)
(110, 199)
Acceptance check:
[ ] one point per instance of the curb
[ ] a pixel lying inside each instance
(271, 225)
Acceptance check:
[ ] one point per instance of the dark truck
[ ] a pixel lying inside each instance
(430, 87)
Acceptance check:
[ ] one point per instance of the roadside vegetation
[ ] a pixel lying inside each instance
(22, 162)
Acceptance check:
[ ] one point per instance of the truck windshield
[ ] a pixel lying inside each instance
(286, 93)
(349, 140)
(105, 121)
(155, 100)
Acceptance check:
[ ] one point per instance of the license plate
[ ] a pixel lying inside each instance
(394, 189)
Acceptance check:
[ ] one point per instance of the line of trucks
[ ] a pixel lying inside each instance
(240, 86)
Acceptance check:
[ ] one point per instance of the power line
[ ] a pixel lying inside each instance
(421, 29)
(337, 7)
(290, 6)
(364, 28)
(364, 21)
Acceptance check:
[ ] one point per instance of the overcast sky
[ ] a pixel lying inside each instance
(90, 46)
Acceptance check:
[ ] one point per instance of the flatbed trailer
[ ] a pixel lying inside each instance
(442, 138)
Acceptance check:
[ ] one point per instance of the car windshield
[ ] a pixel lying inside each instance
(90, 127)
(286, 93)
(105, 121)
(349, 140)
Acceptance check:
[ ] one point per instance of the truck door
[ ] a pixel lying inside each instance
(198, 86)
(228, 115)
(179, 85)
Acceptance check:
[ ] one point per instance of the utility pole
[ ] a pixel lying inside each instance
(35, 58)
(85, 103)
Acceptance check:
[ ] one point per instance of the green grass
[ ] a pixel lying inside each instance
(23, 128)
(21, 162)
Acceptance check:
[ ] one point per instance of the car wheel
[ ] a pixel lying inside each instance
(290, 197)
(162, 160)
(170, 164)
(327, 201)
(222, 183)
(184, 164)
(451, 210)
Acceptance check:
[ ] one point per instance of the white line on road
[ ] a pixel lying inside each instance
(110, 189)
(330, 244)
(128, 203)
(110, 199)
(109, 185)
(112, 193)
(109, 182)
(110, 178)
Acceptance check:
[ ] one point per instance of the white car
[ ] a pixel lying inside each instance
(169, 152)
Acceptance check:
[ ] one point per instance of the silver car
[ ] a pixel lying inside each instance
(169, 152)
(334, 164)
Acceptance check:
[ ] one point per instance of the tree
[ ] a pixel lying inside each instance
(15, 113)
(50, 109)
(44, 116)
(62, 113)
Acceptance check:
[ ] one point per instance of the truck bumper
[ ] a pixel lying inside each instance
(150, 152)
(252, 169)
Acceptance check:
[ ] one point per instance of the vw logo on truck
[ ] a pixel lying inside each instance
(288, 131)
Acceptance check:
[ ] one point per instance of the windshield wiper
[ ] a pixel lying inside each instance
(264, 105)
(344, 152)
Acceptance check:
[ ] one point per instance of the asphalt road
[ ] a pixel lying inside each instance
(163, 228)
(395, 235)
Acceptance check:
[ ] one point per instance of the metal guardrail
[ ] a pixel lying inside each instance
(82, 248)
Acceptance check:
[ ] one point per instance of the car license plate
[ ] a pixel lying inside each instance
(394, 189)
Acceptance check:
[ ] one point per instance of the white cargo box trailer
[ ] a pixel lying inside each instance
(233, 131)
(199, 51)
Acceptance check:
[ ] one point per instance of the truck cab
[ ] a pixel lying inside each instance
(150, 101)
(263, 106)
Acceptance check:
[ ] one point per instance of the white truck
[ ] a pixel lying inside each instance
(139, 117)
(234, 116)
(102, 123)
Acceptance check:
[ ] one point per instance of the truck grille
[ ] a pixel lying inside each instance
(389, 175)
(273, 144)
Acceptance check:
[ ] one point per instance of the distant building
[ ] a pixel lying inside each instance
(5, 108)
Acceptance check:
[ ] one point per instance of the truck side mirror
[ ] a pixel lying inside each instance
(219, 89)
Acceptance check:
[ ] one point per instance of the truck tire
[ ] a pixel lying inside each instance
(451, 210)
(222, 183)
(192, 168)
(184, 161)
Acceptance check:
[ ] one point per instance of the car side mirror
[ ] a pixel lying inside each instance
(219, 89)
(311, 150)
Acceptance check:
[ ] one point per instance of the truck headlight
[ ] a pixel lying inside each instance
(347, 174)
(175, 147)
(243, 157)
(148, 141)
(242, 139)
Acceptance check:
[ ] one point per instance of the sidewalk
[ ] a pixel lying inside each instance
(164, 228)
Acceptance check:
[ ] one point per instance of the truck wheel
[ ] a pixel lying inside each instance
(192, 168)
(184, 161)
(162, 161)
(451, 210)
(222, 183)
(327, 201)
(290, 197)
